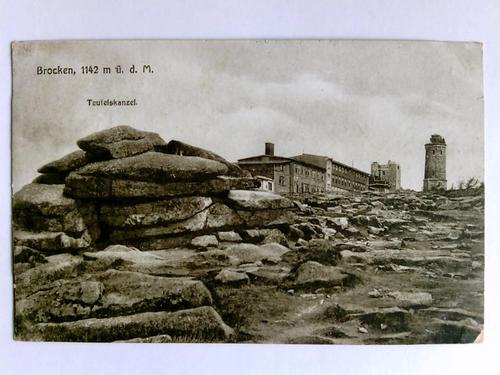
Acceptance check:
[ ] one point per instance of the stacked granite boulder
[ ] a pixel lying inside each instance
(131, 187)
(74, 278)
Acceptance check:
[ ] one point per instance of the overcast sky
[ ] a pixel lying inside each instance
(357, 102)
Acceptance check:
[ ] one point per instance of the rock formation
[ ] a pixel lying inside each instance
(127, 186)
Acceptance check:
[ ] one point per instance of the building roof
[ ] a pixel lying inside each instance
(310, 160)
(272, 159)
(320, 160)
(317, 160)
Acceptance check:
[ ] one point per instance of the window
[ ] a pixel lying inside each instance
(282, 180)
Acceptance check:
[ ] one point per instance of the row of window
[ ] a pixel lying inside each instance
(342, 169)
(306, 188)
(315, 175)
(344, 182)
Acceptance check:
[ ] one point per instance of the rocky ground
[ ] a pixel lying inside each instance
(368, 268)
(134, 239)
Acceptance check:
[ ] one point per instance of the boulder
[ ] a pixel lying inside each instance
(64, 300)
(180, 148)
(268, 274)
(152, 213)
(66, 164)
(221, 216)
(193, 224)
(267, 218)
(155, 167)
(249, 253)
(202, 323)
(258, 200)
(230, 236)
(38, 207)
(119, 142)
(313, 275)
(205, 241)
(57, 267)
(80, 186)
(451, 332)
(46, 200)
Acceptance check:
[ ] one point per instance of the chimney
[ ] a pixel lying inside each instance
(269, 149)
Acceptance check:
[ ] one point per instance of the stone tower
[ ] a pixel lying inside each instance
(435, 164)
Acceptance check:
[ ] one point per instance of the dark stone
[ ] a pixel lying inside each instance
(79, 186)
(119, 142)
(50, 179)
(66, 164)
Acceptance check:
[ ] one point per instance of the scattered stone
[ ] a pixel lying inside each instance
(232, 277)
(375, 293)
(362, 330)
(394, 318)
(340, 223)
(408, 299)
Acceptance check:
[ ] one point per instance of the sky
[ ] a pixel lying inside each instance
(355, 101)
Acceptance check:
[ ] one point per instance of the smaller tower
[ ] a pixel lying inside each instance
(435, 164)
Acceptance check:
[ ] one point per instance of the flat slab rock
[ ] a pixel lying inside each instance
(153, 213)
(111, 293)
(101, 187)
(156, 167)
(202, 323)
(47, 200)
(181, 148)
(119, 142)
(51, 242)
(258, 200)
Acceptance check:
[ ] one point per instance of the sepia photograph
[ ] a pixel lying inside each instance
(248, 191)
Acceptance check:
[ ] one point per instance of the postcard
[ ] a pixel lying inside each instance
(248, 191)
